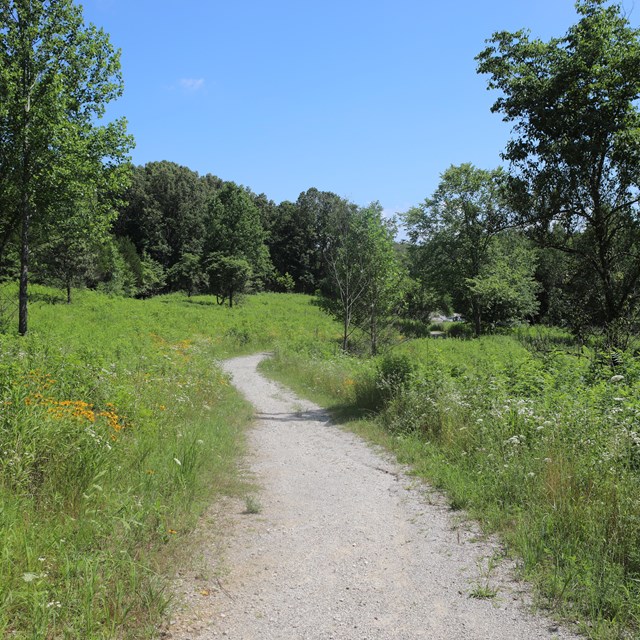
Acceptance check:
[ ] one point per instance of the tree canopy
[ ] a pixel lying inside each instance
(57, 74)
(575, 151)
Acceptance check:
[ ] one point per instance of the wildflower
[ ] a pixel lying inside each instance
(30, 577)
(617, 378)
(172, 532)
(177, 462)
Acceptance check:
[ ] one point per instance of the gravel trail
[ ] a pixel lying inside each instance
(346, 546)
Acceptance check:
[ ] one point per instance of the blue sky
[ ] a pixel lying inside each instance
(370, 99)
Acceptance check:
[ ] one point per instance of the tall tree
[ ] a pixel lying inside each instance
(363, 273)
(166, 211)
(313, 220)
(234, 230)
(575, 151)
(384, 275)
(57, 76)
(292, 246)
(452, 232)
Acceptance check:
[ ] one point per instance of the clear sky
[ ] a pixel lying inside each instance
(370, 99)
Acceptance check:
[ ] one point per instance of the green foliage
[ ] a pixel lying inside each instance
(575, 149)
(452, 235)
(364, 275)
(57, 163)
(228, 276)
(235, 231)
(188, 274)
(505, 288)
(532, 433)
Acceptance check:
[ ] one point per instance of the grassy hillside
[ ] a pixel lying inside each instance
(116, 429)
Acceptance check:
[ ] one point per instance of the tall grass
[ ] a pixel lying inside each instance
(541, 442)
(117, 427)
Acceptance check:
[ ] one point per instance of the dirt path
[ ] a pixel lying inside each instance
(345, 546)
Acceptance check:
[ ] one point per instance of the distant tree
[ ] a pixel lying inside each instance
(228, 276)
(384, 274)
(153, 277)
(312, 230)
(575, 151)
(166, 211)
(234, 230)
(292, 246)
(56, 76)
(506, 290)
(363, 270)
(452, 232)
(188, 274)
(67, 254)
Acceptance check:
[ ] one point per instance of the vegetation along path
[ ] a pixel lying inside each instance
(344, 545)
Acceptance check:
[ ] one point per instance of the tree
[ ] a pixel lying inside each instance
(575, 151)
(506, 290)
(292, 246)
(166, 212)
(68, 253)
(384, 275)
(57, 76)
(234, 230)
(452, 232)
(363, 271)
(188, 274)
(228, 276)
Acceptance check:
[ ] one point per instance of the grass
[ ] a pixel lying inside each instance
(117, 428)
(534, 436)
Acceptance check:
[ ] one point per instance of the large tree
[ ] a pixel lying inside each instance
(57, 74)
(575, 151)
(452, 233)
(234, 230)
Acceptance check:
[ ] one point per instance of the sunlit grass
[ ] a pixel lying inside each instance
(539, 443)
(117, 428)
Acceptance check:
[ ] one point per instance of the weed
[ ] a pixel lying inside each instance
(252, 505)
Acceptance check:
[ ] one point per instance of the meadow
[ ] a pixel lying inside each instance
(117, 429)
(536, 437)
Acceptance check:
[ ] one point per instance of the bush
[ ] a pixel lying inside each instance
(394, 374)
(460, 330)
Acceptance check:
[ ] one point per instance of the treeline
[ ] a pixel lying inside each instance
(178, 231)
(554, 238)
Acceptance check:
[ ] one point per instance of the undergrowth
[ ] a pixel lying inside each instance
(535, 436)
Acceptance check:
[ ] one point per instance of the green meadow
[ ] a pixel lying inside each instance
(535, 437)
(118, 428)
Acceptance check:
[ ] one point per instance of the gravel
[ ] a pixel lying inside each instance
(341, 543)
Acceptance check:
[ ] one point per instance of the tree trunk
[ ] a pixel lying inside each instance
(345, 334)
(24, 266)
(477, 320)
(374, 334)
